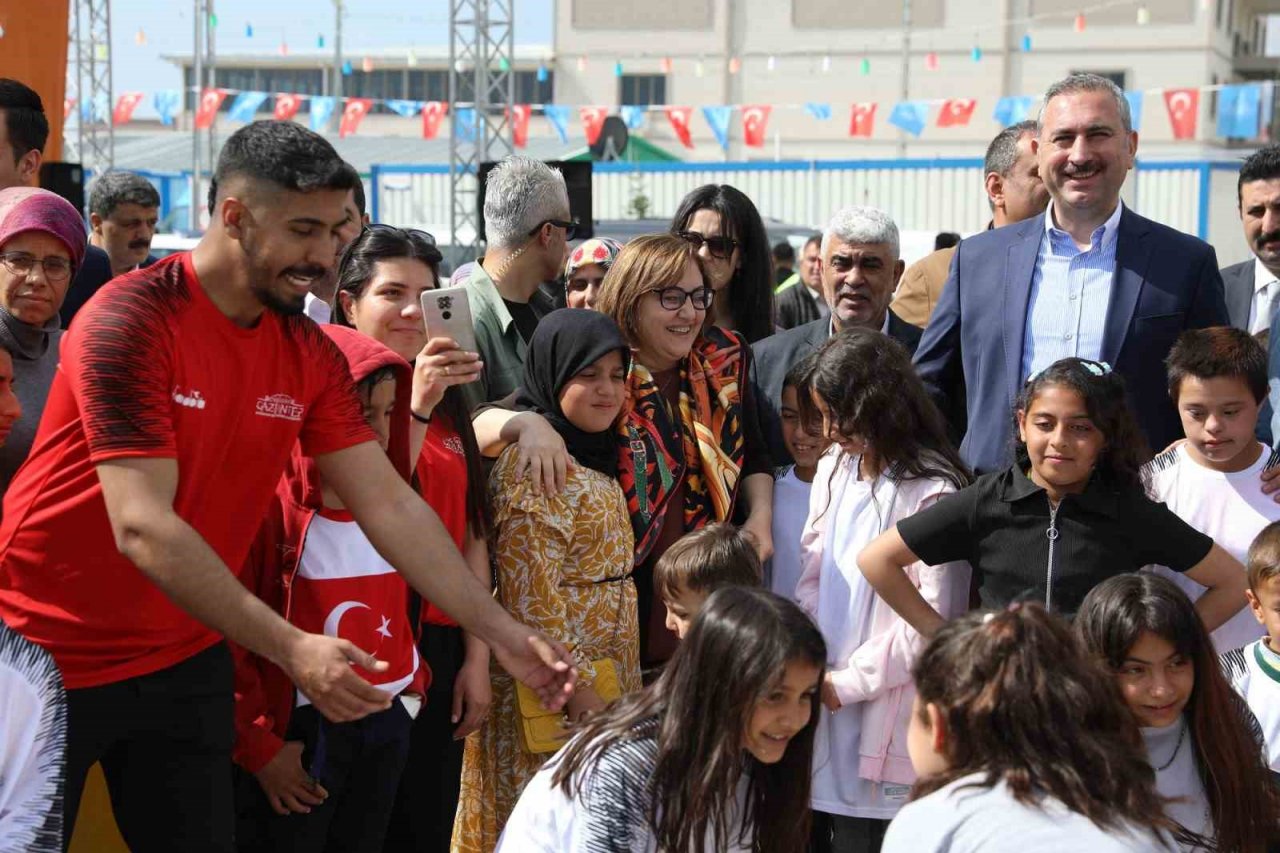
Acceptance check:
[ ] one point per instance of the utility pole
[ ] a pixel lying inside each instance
(197, 75)
(906, 69)
(336, 89)
(211, 69)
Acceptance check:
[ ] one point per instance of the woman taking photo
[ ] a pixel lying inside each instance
(381, 278)
(725, 229)
(689, 444)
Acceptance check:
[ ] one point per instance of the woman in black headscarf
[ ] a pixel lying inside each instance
(563, 562)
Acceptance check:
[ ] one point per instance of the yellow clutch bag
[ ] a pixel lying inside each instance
(544, 731)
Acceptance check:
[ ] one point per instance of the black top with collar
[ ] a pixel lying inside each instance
(1000, 526)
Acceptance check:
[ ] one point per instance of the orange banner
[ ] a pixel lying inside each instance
(34, 50)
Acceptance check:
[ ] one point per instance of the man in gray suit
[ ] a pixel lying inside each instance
(1251, 286)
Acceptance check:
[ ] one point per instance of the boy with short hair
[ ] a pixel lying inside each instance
(793, 483)
(698, 564)
(1255, 669)
(1218, 381)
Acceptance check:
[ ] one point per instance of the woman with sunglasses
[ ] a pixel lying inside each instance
(690, 451)
(725, 229)
(42, 242)
(381, 278)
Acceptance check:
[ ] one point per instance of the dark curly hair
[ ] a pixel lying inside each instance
(1102, 390)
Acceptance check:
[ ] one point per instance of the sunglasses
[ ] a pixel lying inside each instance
(405, 233)
(719, 247)
(570, 226)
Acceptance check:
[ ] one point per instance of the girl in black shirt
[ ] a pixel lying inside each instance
(1070, 513)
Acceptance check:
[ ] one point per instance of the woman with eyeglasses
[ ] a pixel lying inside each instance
(42, 239)
(725, 229)
(690, 450)
(381, 278)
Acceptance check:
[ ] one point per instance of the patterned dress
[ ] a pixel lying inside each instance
(563, 567)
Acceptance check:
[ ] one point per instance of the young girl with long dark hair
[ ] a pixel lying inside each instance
(1022, 745)
(890, 458)
(1068, 514)
(1201, 739)
(713, 756)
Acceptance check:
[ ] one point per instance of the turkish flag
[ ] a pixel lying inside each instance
(519, 117)
(353, 112)
(863, 120)
(68, 104)
(956, 112)
(1184, 111)
(432, 113)
(125, 105)
(286, 107)
(210, 100)
(755, 119)
(592, 122)
(679, 118)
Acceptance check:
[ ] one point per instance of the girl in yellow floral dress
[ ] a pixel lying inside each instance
(563, 562)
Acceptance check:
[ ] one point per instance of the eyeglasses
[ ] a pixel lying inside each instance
(719, 247)
(407, 233)
(570, 227)
(20, 263)
(672, 298)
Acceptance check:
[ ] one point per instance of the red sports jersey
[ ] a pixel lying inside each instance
(442, 481)
(154, 369)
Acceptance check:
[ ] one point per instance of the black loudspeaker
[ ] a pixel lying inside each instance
(65, 179)
(577, 180)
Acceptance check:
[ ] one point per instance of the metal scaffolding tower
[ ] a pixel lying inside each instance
(481, 79)
(89, 83)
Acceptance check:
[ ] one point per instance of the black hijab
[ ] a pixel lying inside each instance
(566, 342)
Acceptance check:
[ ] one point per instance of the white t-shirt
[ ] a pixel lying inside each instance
(790, 509)
(977, 819)
(1231, 508)
(610, 813)
(1171, 750)
(1255, 675)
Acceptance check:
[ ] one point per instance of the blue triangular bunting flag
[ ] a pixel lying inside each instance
(632, 117)
(166, 104)
(408, 109)
(558, 117)
(1135, 108)
(464, 124)
(1012, 109)
(1238, 111)
(911, 116)
(321, 112)
(822, 112)
(245, 106)
(718, 118)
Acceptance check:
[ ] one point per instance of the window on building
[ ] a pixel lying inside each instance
(642, 89)
(1117, 77)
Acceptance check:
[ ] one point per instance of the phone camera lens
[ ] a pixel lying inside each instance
(448, 315)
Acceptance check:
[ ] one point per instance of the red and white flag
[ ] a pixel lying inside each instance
(679, 118)
(863, 120)
(432, 113)
(210, 100)
(956, 112)
(287, 107)
(125, 105)
(592, 122)
(519, 117)
(1184, 111)
(68, 104)
(353, 112)
(755, 121)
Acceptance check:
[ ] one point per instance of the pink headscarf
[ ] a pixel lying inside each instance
(24, 209)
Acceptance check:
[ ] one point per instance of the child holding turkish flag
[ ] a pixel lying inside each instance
(310, 784)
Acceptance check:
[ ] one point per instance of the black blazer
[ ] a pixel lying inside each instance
(1237, 287)
(777, 354)
(796, 307)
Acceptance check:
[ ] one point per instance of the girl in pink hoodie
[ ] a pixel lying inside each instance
(890, 457)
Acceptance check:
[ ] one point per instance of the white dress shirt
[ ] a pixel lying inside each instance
(1070, 293)
(1265, 288)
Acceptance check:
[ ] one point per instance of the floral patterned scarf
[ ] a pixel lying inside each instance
(705, 445)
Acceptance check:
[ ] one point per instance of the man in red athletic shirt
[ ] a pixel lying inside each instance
(180, 394)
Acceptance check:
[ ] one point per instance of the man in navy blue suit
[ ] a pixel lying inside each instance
(1088, 278)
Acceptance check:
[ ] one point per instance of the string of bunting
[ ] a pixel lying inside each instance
(1243, 112)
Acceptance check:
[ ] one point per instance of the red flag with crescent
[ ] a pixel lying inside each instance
(287, 107)
(210, 100)
(679, 118)
(68, 104)
(353, 113)
(519, 118)
(592, 122)
(863, 120)
(432, 113)
(1184, 111)
(125, 105)
(956, 112)
(755, 121)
